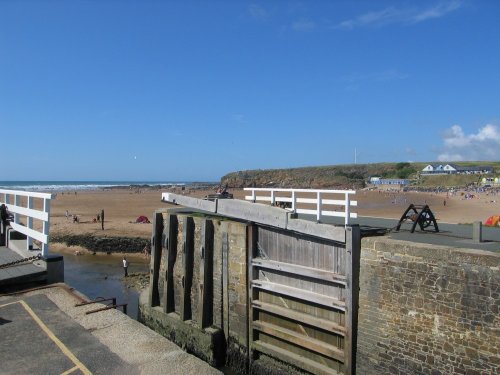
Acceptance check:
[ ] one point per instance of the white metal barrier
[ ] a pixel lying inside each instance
(23, 205)
(321, 198)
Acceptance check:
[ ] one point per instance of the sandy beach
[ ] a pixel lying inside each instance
(123, 206)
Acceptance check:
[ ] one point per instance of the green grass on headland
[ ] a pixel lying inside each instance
(352, 176)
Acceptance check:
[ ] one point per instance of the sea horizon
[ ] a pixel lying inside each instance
(72, 185)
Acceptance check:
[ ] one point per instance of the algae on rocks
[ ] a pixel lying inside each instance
(103, 244)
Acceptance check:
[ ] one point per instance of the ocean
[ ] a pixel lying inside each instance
(50, 186)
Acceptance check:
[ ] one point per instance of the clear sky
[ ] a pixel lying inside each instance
(192, 90)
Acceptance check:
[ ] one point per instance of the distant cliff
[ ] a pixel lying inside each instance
(336, 176)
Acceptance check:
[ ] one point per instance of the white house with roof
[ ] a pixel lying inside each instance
(455, 169)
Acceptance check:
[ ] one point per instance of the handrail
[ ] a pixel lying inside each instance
(318, 201)
(29, 212)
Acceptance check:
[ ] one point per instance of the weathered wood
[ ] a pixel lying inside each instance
(300, 340)
(205, 301)
(196, 203)
(225, 284)
(156, 248)
(253, 293)
(294, 359)
(297, 316)
(171, 230)
(313, 273)
(352, 261)
(301, 294)
(187, 266)
(254, 212)
(311, 228)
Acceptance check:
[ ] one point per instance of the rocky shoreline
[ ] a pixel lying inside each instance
(103, 244)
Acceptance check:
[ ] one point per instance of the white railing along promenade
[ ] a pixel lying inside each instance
(22, 205)
(320, 199)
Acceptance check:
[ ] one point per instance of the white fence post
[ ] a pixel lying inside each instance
(46, 226)
(26, 210)
(17, 202)
(29, 242)
(318, 202)
(347, 209)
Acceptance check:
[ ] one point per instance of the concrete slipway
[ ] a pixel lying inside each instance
(43, 332)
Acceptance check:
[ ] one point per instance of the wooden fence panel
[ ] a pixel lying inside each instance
(302, 299)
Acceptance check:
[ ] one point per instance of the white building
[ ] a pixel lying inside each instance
(455, 169)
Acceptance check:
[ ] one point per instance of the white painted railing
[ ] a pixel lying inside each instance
(21, 204)
(318, 201)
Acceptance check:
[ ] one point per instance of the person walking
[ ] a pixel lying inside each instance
(125, 266)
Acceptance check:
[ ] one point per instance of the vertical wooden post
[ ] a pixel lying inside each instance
(205, 301)
(187, 265)
(156, 247)
(252, 293)
(171, 246)
(225, 284)
(352, 259)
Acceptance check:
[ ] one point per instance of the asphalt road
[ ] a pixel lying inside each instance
(38, 338)
(454, 235)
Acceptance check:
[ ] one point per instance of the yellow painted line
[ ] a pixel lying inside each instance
(7, 304)
(54, 338)
(70, 370)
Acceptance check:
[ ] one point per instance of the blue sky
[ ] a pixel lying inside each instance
(192, 90)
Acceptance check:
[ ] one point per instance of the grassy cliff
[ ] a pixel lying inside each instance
(345, 176)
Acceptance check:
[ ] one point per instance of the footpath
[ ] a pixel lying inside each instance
(43, 332)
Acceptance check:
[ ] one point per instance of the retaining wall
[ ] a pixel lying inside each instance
(427, 309)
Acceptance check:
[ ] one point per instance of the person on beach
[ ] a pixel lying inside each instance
(147, 250)
(125, 266)
(5, 215)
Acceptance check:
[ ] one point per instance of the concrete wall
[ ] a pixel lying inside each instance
(427, 309)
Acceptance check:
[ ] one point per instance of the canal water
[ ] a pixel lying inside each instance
(102, 276)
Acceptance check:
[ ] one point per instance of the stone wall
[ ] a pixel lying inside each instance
(427, 309)
(228, 330)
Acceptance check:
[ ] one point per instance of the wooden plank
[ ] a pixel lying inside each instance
(326, 231)
(205, 301)
(301, 294)
(352, 263)
(253, 293)
(187, 266)
(294, 359)
(199, 204)
(313, 273)
(156, 248)
(300, 340)
(225, 284)
(255, 212)
(172, 228)
(297, 316)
